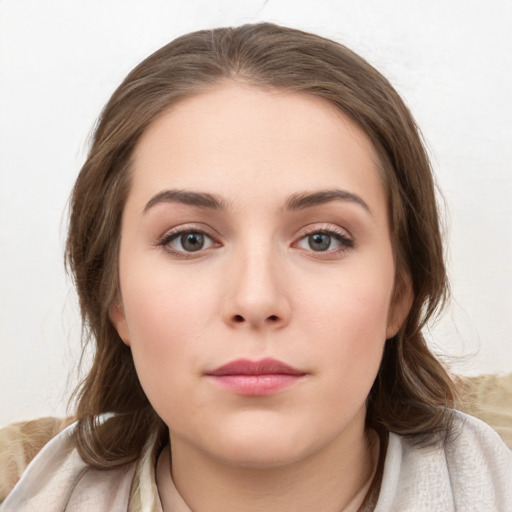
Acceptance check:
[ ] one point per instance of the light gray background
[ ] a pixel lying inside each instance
(60, 61)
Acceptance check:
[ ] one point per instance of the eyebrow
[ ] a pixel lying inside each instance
(298, 201)
(305, 200)
(199, 199)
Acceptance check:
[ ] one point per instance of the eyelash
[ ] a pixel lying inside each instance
(345, 242)
(176, 233)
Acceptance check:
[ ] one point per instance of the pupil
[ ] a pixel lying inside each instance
(192, 241)
(319, 241)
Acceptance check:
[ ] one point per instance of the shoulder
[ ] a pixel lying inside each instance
(479, 463)
(489, 397)
(57, 479)
(471, 470)
(20, 443)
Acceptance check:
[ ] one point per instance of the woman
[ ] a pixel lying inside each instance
(255, 243)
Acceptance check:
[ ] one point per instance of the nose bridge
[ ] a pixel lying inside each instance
(258, 293)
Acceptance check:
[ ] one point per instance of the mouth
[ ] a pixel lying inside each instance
(256, 378)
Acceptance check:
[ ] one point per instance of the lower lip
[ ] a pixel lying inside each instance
(256, 385)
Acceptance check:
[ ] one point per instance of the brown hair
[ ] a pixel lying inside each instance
(412, 391)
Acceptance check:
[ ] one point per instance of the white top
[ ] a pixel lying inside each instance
(471, 472)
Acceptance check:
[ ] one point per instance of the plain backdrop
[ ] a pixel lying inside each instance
(60, 61)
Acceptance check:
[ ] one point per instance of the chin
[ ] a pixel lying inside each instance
(262, 454)
(269, 445)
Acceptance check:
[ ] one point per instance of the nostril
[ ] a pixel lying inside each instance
(238, 318)
(273, 318)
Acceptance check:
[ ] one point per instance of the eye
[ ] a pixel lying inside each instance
(325, 241)
(186, 241)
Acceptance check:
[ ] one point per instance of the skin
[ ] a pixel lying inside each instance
(259, 288)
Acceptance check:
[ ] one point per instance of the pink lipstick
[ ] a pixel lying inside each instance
(255, 378)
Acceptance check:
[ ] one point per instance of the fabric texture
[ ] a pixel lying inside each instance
(470, 472)
(20, 443)
(489, 397)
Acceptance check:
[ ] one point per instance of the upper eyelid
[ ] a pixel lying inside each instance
(164, 242)
(188, 227)
(169, 236)
(322, 227)
(319, 227)
(344, 237)
(332, 233)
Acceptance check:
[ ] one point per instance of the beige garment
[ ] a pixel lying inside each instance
(58, 480)
(472, 473)
(489, 397)
(169, 495)
(20, 443)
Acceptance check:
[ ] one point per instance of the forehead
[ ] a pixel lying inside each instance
(240, 139)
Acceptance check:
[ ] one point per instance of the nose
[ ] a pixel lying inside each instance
(257, 295)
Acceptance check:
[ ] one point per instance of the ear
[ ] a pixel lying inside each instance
(118, 319)
(403, 297)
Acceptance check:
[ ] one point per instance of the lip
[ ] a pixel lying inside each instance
(256, 378)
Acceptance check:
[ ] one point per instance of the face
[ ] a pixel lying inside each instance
(256, 274)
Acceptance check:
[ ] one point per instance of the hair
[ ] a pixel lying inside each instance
(413, 393)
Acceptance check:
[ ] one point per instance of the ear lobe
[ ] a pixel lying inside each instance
(401, 305)
(118, 319)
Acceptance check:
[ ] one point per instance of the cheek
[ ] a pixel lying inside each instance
(166, 320)
(160, 302)
(355, 302)
(349, 321)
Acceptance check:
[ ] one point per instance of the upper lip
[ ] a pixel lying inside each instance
(266, 366)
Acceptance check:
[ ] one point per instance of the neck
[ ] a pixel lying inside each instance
(333, 479)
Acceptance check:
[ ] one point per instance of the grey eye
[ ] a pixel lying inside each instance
(187, 241)
(328, 241)
(192, 241)
(319, 241)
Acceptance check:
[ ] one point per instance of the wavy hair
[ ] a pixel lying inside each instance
(413, 392)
